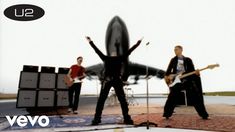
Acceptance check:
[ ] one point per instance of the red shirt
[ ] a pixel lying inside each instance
(76, 71)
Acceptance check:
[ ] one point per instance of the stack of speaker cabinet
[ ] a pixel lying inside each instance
(27, 93)
(42, 89)
(47, 81)
(62, 89)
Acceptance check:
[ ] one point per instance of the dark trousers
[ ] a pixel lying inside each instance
(74, 89)
(194, 95)
(105, 88)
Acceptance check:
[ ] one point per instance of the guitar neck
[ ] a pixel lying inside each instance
(191, 73)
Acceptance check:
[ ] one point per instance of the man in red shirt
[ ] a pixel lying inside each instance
(76, 74)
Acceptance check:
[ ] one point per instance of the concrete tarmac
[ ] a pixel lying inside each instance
(220, 109)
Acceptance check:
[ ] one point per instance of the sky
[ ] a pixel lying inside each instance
(205, 28)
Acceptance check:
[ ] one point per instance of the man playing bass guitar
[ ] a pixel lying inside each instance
(192, 84)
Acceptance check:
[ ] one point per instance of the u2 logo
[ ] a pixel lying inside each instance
(24, 12)
(28, 12)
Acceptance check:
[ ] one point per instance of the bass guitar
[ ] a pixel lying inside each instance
(173, 79)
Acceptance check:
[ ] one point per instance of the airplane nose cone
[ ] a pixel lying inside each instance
(116, 33)
(116, 19)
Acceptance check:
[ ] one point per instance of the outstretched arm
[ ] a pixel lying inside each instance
(101, 55)
(133, 47)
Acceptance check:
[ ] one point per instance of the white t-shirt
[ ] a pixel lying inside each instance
(180, 66)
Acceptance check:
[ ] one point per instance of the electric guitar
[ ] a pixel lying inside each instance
(70, 82)
(173, 79)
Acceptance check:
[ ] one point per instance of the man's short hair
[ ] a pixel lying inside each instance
(179, 46)
(80, 57)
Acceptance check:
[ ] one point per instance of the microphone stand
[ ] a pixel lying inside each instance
(147, 123)
(147, 92)
(97, 90)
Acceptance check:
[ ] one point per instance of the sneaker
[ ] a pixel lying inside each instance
(95, 121)
(69, 110)
(166, 116)
(75, 112)
(129, 122)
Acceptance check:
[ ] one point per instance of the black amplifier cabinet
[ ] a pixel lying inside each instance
(63, 70)
(47, 69)
(30, 68)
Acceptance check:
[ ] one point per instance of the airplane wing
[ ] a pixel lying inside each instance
(133, 69)
(95, 70)
(139, 69)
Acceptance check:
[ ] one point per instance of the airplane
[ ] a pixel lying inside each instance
(117, 41)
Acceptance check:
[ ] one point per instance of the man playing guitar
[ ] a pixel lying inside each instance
(75, 75)
(192, 84)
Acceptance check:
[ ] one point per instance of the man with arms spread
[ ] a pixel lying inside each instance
(112, 78)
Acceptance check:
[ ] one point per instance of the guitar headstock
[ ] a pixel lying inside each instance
(212, 66)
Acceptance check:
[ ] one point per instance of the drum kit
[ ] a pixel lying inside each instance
(112, 97)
